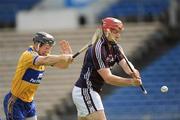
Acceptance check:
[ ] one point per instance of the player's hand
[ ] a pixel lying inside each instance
(65, 47)
(135, 74)
(136, 82)
(69, 58)
(136, 78)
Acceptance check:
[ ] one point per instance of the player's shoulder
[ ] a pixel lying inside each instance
(100, 43)
(29, 52)
(99, 49)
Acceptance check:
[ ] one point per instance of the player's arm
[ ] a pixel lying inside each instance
(134, 72)
(65, 49)
(109, 78)
(100, 64)
(64, 64)
(126, 68)
(62, 60)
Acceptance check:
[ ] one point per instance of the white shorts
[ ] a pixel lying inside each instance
(86, 101)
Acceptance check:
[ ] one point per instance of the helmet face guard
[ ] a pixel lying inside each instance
(112, 23)
(44, 38)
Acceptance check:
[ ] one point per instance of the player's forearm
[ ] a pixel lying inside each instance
(109, 78)
(53, 59)
(119, 81)
(127, 70)
(61, 65)
(125, 66)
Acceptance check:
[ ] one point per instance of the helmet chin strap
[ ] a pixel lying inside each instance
(37, 46)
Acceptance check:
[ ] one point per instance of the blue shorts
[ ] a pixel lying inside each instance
(16, 109)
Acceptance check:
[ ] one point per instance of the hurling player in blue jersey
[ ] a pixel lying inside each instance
(98, 60)
(19, 102)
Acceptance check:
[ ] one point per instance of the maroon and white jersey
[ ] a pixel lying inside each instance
(103, 54)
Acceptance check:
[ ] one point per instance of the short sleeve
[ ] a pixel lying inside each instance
(99, 56)
(28, 58)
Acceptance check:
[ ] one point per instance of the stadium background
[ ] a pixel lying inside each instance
(150, 40)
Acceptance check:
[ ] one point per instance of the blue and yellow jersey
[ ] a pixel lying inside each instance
(27, 76)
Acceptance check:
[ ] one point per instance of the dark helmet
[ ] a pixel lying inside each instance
(44, 38)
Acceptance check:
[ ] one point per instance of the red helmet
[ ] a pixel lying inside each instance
(112, 23)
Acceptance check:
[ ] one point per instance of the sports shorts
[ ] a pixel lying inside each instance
(16, 109)
(86, 101)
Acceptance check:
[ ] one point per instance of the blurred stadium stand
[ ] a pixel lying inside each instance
(9, 9)
(137, 9)
(155, 29)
